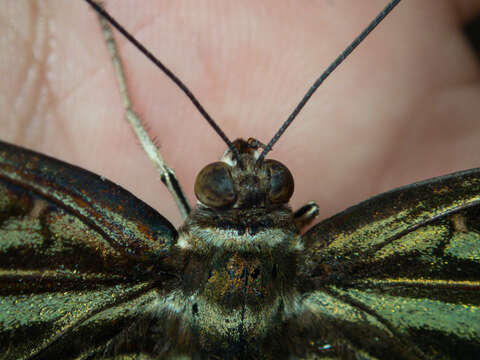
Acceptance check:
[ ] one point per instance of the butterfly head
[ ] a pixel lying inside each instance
(255, 184)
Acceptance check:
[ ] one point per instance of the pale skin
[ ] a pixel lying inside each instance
(402, 108)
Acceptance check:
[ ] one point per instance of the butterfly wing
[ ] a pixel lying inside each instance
(80, 257)
(399, 274)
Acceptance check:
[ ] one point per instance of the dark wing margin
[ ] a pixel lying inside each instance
(405, 263)
(80, 257)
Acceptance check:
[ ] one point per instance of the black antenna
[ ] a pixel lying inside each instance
(325, 74)
(98, 8)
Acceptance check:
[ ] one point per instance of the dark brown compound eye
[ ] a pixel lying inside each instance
(214, 186)
(281, 182)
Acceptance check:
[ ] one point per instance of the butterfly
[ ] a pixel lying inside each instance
(330, 272)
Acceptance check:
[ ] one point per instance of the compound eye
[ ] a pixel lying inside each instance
(281, 182)
(214, 186)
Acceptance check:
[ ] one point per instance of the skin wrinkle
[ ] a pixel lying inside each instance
(44, 90)
(93, 75)
(38, 66)
(89, 77)
(23, 80)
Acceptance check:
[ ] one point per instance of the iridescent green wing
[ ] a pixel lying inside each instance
(399, 274)
(80, 257)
